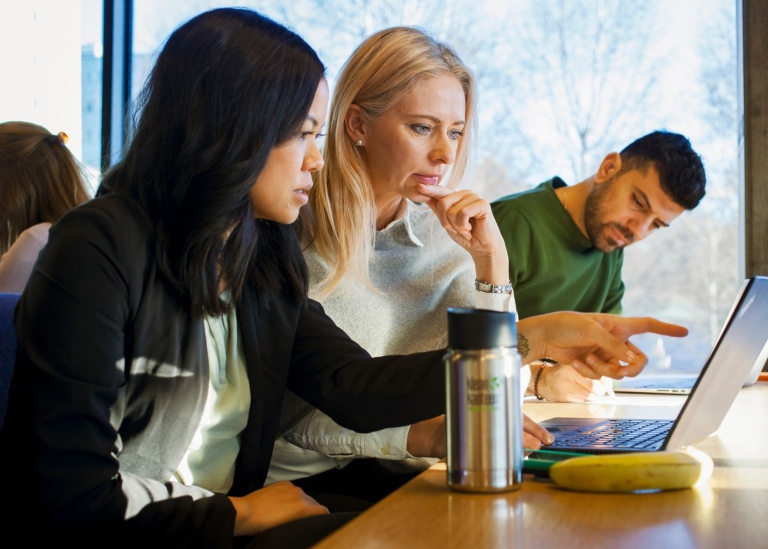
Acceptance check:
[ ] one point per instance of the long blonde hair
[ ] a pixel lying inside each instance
(40, 179)
(377, 75)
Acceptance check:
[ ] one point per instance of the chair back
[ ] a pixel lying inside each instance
(7, 348)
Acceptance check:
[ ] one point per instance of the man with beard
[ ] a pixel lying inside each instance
(566, 243)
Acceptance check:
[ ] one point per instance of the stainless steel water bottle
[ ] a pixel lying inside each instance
(484, 416)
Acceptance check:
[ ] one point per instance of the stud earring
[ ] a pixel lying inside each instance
(359, 143)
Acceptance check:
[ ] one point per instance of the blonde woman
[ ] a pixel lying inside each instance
(400, 128)
(41, 181)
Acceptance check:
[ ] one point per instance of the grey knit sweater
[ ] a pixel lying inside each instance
(417, 271)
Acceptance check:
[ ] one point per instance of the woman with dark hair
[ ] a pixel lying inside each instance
(40, 181)
(165, 318)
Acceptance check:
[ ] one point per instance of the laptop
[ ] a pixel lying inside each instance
(669, 384)
(680, 384)
(741, 347)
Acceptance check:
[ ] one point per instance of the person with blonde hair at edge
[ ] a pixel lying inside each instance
(40, 181)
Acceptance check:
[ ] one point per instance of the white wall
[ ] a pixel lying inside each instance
(40, 65)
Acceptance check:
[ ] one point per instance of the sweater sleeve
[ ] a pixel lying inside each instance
(320, 433)
(495, 302)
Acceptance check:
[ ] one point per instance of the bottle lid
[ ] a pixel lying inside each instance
(471, 329)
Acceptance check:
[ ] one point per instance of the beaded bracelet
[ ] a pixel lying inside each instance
(536, 383)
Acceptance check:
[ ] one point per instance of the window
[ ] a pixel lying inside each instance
(562, 83)
(51, 52)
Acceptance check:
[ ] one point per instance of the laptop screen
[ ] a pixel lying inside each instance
(743, 342)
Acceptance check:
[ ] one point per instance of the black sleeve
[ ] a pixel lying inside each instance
(69, 399)
(337, 376)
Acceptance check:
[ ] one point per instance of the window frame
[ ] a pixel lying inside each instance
(752, 45)
(116, 79)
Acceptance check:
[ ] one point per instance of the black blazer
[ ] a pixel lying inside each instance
(112, 375)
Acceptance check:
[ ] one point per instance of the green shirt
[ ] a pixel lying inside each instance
(552, 265)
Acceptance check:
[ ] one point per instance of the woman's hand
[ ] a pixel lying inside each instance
(271, 506)
(428, 438)
(594, 344)
(534, 434)
(469, 221)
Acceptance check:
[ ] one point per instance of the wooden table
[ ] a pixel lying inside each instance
(729, 511)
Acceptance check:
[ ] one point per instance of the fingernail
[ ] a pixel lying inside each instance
(591, 360)
(549, 439)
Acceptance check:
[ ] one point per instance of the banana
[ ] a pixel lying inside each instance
(633, 472)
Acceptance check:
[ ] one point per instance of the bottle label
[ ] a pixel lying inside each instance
(483, 394)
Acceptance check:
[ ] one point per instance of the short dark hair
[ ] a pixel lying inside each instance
(681, 172)
(228, 86)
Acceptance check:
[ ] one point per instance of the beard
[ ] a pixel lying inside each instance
(595, 211)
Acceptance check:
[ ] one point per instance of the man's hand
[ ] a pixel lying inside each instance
(594, 344)
(562, 383)
(469, 221)
(271, 506)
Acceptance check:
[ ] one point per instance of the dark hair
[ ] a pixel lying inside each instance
(228, 86)
(41, 179)
(680, 170)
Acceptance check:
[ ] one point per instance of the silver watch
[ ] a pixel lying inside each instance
(493, 288)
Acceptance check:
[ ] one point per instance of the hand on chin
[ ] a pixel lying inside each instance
(424, 193)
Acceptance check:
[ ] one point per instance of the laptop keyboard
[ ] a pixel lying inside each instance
(646, 434)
